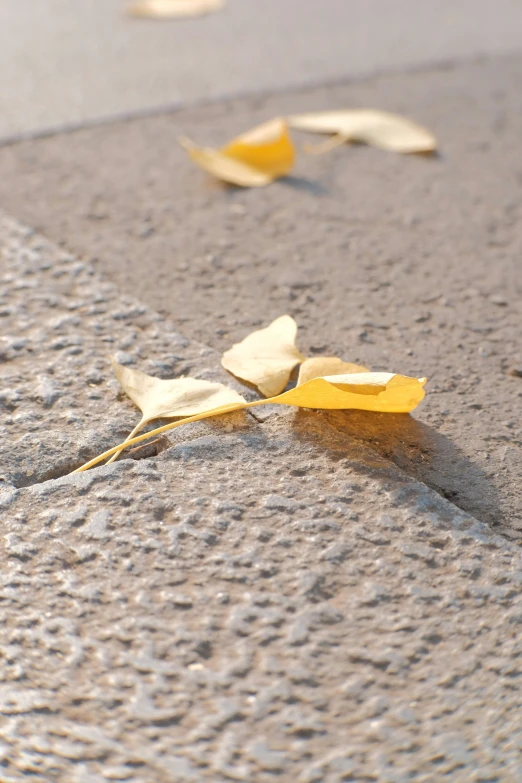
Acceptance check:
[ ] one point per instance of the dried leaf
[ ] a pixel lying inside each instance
(370, 126)
(266, 357)
(225, 168)
(372, 391)
(171, 9)
(367, 391)
(166, 399)
(253, 159)
(329, 144)
(320, 366)
(267, 148)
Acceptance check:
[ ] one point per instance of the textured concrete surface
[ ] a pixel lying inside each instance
(214, 615)
(60, 402)
(282, 597)
(400, 263)
(259, 601)
(65, 63)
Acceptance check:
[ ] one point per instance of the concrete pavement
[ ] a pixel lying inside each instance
(399, 263)
(259, 601)
(318, 597)
(64, 64)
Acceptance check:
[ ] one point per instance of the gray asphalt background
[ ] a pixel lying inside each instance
(64, 64)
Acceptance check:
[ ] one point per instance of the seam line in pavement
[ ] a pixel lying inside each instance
(174, 108)
(19, 229)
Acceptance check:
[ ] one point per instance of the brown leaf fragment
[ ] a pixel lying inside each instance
(516, 370)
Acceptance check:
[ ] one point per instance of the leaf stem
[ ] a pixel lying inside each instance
(198, 417)
(131, 435)
(327, 145)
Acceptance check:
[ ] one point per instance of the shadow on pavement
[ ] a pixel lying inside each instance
(306, 185)
(418, 450)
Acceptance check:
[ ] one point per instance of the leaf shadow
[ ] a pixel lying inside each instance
(304, 185)
(416, 448)
(433, 155)
(295, 183)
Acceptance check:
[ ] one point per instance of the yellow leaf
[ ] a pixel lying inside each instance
(366, 391)
(372, 391)
(253, 159)
(370, 126)
(170, 9)
(383, 392)
(267, 148)
(227, 169)
(166, 399)
(326, 365)
(266, 357)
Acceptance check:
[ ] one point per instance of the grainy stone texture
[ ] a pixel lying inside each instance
(400, 263)
(276, 605)
(260, 601)
(60, 402)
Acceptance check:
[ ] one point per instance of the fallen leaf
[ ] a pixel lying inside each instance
(372, 391)
(266, 357)
(366, 391)
(253, 159)
(369, 126)
(131, 440)
(326, 365)
(166, 399)
(162, 399)
(171, 9)
(225, 168)
(268, 148)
